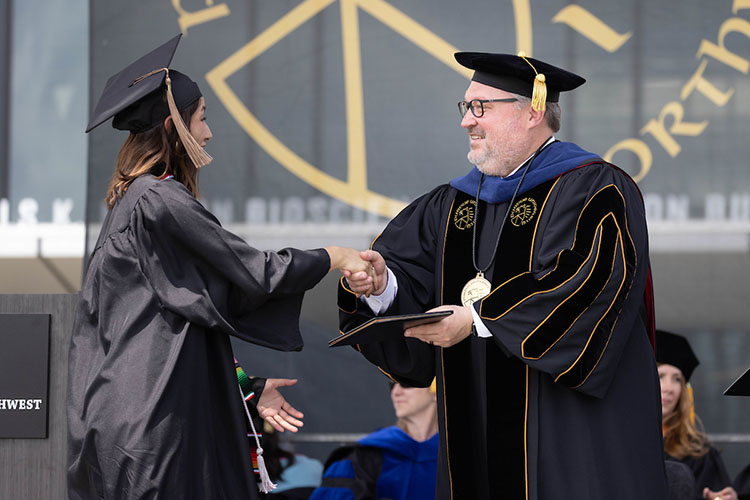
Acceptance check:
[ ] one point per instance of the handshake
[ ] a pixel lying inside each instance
(364, 271)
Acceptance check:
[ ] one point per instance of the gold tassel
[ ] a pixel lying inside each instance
(197, 154)
(692, 403)
(539, 94)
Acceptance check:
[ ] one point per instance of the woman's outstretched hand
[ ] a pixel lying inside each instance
(274, 409)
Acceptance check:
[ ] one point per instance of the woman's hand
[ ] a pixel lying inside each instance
(727, 493)
(371, 281)
(274, 409)
(359, 268)
(347, 258)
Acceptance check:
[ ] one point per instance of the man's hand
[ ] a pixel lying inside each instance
(372, 281)
(275, 410)
(448, 331)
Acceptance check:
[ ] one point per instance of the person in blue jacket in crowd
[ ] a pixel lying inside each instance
(396, 463)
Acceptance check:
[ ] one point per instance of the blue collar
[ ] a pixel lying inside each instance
(554, 160)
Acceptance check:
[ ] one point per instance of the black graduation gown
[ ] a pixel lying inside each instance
(709, 472)
(563, 401)
(154, 409)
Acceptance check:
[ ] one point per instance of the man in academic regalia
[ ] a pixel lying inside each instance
(547, 383)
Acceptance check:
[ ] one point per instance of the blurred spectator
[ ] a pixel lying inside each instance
(684, 439)
(295, 475)
(395, 463)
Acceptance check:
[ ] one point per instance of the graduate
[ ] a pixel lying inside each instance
(154, 407)
(547, 382)
(684, 439)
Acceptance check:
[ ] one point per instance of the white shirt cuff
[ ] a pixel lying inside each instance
(482, 330)
(380, 303)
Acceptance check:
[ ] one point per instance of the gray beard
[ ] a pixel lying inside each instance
(485, 164)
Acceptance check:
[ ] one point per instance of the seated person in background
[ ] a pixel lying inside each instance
(684, 440)
(397, 463)
(295, 475)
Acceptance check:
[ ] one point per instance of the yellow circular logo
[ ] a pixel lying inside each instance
(464, 216)
(523, 212)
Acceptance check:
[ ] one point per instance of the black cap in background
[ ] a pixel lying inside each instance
(675, 350)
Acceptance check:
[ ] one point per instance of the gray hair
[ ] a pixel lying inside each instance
(552, 113)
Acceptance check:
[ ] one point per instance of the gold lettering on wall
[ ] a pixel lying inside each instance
(640, 149)
(719, 52)
(657, 128)
(188, 19)
(739, 5)
(659, 131)
(705, 87)
(593, 28)
(524, 35)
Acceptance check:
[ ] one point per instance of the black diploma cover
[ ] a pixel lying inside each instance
(382, 328)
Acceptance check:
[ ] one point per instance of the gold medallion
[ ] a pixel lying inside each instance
(475, 289)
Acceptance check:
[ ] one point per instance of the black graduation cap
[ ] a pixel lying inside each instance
(675, 350)
(522, 75)
(138, 102)
(740, 387)
(145, 93)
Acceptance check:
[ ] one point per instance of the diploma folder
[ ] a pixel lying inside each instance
(382, 328)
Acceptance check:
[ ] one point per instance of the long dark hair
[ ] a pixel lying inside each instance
(157, 152)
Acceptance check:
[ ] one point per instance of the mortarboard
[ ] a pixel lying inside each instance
(675, 350)
(740, 387)
(145, 93)
(538, 80)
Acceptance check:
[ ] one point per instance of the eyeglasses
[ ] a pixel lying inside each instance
(477, 105)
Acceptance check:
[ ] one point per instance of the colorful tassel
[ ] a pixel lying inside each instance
(266, 485)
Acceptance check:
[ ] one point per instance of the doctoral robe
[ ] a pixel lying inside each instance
(709, 472)
(563, 400)
(154, 409)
